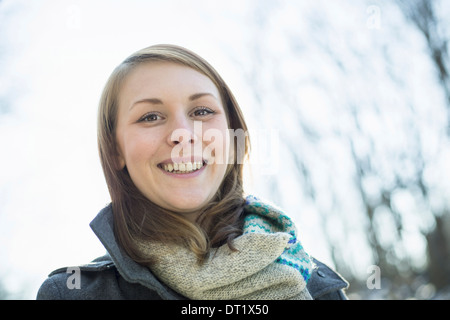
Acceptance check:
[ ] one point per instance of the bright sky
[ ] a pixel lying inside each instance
(55, 56)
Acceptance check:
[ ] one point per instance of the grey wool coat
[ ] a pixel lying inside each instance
(115, 276)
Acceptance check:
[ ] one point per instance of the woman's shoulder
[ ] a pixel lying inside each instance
(326, 284)
(77, 282)
(97, 280)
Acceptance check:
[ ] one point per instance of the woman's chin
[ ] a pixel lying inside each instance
(187, 203)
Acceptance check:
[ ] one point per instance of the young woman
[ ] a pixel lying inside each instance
(179, 225)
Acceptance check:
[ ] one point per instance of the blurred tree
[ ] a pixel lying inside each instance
(364, 130)
(422, 14)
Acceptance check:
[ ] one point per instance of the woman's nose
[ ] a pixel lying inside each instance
(182, 131)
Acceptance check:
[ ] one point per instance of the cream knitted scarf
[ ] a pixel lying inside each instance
(270, 262)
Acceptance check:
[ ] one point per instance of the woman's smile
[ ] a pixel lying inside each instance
(183, 168)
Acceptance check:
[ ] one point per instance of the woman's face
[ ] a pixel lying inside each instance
(160, 105)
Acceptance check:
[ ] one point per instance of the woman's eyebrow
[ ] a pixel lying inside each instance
(193, 97)
(200, 95)
(147, 100)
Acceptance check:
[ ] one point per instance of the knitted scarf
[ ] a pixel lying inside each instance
(270, 262)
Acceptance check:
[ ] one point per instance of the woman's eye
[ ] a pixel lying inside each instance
(202, 111)
(151, 117)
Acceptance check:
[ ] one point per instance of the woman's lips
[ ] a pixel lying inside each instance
(182, 166)
(183, 170)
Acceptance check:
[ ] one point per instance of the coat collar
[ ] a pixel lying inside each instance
(103, 227)
(323, 280)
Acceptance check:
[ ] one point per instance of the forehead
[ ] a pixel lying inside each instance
(163, 78)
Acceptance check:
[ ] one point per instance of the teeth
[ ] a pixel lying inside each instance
(183, 167)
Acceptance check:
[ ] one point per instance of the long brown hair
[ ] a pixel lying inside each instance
(135, 216)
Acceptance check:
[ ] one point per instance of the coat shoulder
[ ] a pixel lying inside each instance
(97, 280)
(78, 282)
(326, 284)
